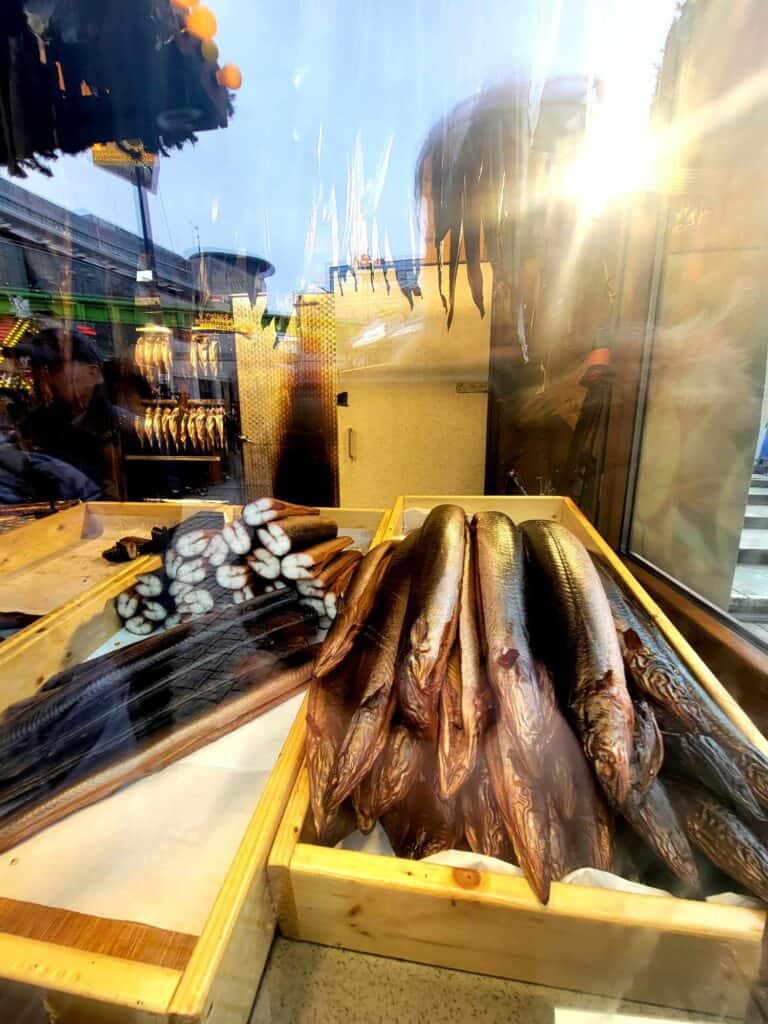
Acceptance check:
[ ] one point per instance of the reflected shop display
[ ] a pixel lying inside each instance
(383, 511)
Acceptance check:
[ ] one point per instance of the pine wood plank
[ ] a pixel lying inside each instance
(39, 538)
(88, 975)
(126, 940)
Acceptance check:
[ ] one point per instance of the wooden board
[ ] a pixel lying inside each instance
(81, 623)
(678, 953)
(96, 969)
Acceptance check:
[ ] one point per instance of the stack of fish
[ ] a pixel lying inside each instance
(275, 546)
(493, 687)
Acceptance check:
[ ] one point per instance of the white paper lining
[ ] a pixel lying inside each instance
(158, 851)
(377, 843)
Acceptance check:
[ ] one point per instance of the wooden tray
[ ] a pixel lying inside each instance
(94, 968)
(53, 567)
(675, 953)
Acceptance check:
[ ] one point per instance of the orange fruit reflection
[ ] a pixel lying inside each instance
(201, 22)
(230, 76)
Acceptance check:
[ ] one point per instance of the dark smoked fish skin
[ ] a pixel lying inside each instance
(483, 823)
(329, 710)
(653, 818)
(648, 752)
(726, 840)
(647, 807)
(599, 701)
(524, 696)
(465, 699)
(432, 617)
(423, 824)
(702, 760)
(378, 644)
(393, 774)
(524, 809)
(355, 609)
(582, 813)
(658, 672)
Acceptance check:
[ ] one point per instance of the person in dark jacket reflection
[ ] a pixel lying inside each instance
(74, 421)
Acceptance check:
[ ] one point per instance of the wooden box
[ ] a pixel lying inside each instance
(85, 967)
(671, 952)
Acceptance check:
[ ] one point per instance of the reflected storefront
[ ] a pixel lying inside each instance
(383, 511)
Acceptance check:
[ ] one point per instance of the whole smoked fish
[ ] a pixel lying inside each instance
(465, 698)
(656, 669)
(432, 617)
(524, 695)
(355, 609)
(524, 808)
(726, 840)
(329, 711)
(599, 701)
(368, 728)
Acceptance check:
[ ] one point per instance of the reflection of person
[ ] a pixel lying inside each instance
(74, 421)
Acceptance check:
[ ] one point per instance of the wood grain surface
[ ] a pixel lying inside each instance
(139, 943)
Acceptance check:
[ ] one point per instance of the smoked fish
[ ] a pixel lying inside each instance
(726, 840)
(465, 698)
(568, 583)
(355, 608)
(378, 644)
(329, 710)
(656, 669)
(432, 617)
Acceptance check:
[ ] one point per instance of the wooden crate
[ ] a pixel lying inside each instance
(101, 969)
(675, 953)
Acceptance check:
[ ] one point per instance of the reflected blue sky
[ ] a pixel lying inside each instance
(345, 93)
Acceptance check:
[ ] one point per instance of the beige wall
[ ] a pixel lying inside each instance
(412, 431)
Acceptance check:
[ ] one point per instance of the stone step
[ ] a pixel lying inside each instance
(756, 522)
(753, 556)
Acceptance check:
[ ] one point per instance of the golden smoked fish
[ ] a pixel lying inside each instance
(524, 695)
(378, 643)
(432, 617)
(566, 581)
(355, 609)
(465, 698)
(330, 706)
